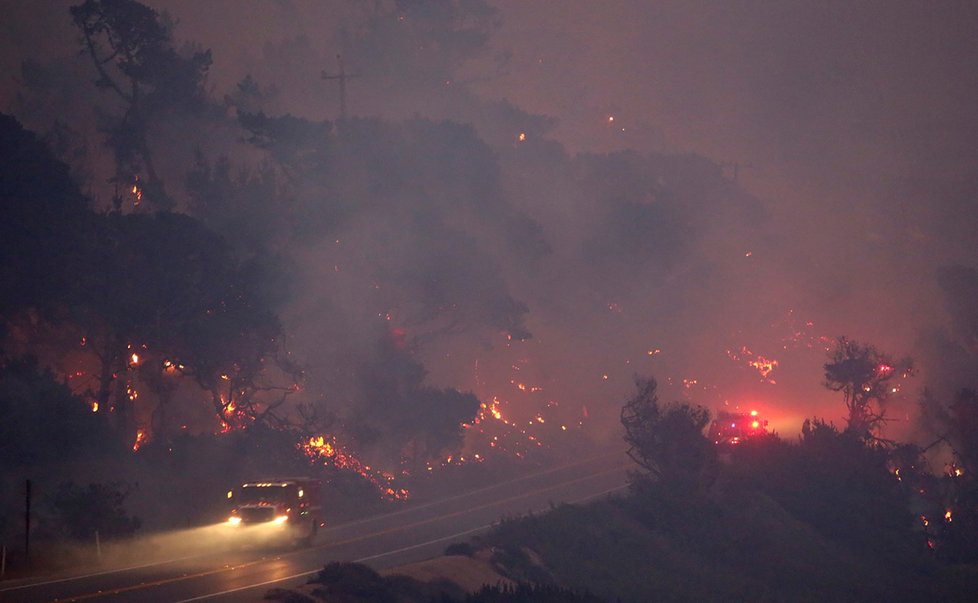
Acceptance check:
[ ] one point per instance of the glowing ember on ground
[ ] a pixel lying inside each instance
(526, 388)
(140, 440)
(171, 368)
(492, 429)
(325, 449)
(803, 335)
(763, 366)
(137, 192)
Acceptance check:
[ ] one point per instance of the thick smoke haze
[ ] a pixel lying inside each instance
(564, 196)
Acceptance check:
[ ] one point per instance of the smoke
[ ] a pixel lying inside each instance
(567, 200)
(950, 352)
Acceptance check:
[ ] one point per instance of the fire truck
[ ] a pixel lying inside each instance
(289, 508)
(732, 428)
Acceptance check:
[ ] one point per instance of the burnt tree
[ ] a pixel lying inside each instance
(865, 376)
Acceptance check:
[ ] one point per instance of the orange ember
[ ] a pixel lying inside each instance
(140, 439)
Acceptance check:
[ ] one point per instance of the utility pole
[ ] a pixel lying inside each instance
(27, 521)
(341, 77)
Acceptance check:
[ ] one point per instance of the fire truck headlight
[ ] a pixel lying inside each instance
(234, 520)
(281, 519)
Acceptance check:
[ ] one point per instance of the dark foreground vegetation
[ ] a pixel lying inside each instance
(357, 583)
(838, 515)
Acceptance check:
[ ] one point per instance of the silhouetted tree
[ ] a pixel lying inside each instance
(131, 48)
(864, 376)
(249, 206)
(404, 417)
(668, 443)
(293, 142)
(167, 289)
(41, 421)
(955, 497)
(41, 211)
(962, 429)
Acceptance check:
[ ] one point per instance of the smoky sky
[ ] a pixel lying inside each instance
(700, 184)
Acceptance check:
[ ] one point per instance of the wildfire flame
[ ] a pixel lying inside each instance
(763, 366)
(137, 192)
(140, 440)
(526, 388)
(492, 430)
(325, 449)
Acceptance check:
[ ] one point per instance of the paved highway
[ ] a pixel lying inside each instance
(226, 573)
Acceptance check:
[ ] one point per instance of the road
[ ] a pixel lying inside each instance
(203, 567)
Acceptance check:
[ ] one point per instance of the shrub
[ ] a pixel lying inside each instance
(461, 549)
(80, 512)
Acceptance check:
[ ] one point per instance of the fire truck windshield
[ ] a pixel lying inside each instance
(268, 493)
